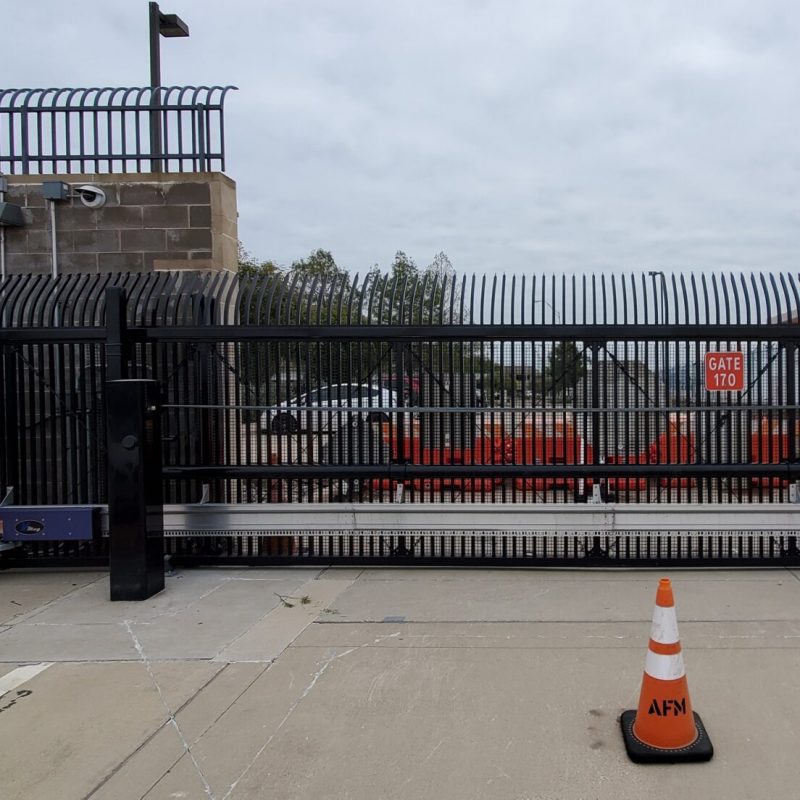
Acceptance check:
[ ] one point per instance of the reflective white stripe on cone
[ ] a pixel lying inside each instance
(664, 668)
(665, 625)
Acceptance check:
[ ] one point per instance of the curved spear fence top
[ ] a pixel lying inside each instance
(111, 129)
(425, 299)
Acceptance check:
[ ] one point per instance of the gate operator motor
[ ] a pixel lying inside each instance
(48, 523)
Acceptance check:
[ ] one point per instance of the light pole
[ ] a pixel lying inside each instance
(549, 305)
(169, 25)
(661, 308)
(662, 313)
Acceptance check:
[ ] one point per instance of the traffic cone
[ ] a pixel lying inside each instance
(665, 727)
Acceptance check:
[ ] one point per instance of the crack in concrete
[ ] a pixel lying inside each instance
(247, 630)
(175, 611)
(317, 675)
(152, 736)
(305, 693)
(272, 610)
(140, 650)
(194, 741)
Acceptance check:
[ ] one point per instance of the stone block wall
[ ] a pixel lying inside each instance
(150, 222)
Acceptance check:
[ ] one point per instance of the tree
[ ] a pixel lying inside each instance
(441, 265)
(448, 290)
(250, 265)
(420, 295)
(565, 368)
(315, 290)
(426, 296)
(319, 263)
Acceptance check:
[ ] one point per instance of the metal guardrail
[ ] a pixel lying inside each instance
(104, 129)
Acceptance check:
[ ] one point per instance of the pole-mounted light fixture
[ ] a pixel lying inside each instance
(170, 26)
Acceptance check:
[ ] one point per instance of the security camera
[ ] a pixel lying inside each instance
(91, 196)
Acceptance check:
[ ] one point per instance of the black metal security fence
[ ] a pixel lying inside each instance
(423, 389)
(469, 389)
(97, 130)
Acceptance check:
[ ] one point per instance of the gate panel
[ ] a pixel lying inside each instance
(419, 389)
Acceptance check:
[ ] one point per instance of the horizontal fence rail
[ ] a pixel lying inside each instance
(106, 130)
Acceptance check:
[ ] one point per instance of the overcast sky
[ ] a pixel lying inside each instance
(515, 136)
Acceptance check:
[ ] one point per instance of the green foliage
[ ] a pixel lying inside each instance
(565, 367)
(319, 263)
(249, 265)
(315, 290)
(420, 295)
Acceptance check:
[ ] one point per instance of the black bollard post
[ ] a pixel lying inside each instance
(135, 492)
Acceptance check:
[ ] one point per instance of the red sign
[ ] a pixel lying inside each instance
(725, 371)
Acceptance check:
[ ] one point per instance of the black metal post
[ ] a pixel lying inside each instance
(400, 368)
(135, 491)
(791, 398)
(596, 458)
(11, 423)
(206, 393)
(202, 138)
(24, 141)
(155, 82)
(116, 331)
(155, 45)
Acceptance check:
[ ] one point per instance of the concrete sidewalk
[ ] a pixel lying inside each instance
(365, 684)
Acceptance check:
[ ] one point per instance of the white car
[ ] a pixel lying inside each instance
(306, 412)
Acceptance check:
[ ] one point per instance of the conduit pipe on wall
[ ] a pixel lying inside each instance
(52, 204)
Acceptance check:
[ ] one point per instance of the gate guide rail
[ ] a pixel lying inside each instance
(496, 518)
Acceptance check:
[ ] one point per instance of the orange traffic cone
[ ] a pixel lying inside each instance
(664, 727)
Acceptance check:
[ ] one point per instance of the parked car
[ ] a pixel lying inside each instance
(306, 411)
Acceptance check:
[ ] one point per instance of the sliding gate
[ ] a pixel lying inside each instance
(534, 418)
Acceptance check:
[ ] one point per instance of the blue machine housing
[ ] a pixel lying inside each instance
(48, 523)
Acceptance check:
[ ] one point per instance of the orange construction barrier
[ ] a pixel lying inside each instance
(769, 444)
(486, 449)
(664, 727)
(550, 441)
(676, 446)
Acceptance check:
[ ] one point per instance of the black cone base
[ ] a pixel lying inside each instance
(641, 753)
